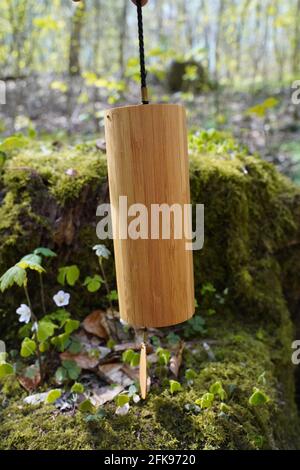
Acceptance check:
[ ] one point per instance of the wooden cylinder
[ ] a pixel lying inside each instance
(148, 162)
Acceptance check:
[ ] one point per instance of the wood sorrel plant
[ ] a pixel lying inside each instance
(40, 334)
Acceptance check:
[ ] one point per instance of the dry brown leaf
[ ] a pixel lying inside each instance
(102, 395)
(30, 383)
(95, 323)
(176, 360)
(84, 361)
(115, 374)
(135, 346)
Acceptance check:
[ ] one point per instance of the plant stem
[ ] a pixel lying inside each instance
(42, 294)
(34, 321)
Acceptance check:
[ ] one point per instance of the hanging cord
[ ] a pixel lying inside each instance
(144, 90)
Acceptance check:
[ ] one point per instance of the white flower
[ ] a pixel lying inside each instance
(35, 326)
(136, 398)
(61, 298)
(25, 313)
(101, 251)
(123, 410)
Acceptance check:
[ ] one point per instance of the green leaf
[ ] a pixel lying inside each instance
(175, 386)
(6, 369)
(32, 258)
(163, 356)
(61, 375)
(12, 143)
(44, 252)
(14, 275)
(93, 283)
(52, 396)
(77, 388)
(69, 274)
(135, 360)
(258, 398)
(217, 389)
(113, 296)
(61, 342)
(190, 375)
(72, 368)
(71, 325)
(206, 401)
(45, 330)
(28, 347)
(28, 264)
(127, 356)
(75, 346)
(122, 399)
(86, 407)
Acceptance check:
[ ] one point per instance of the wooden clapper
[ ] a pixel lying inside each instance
(148, 163)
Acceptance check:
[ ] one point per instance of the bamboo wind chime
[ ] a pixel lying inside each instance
(148, 163)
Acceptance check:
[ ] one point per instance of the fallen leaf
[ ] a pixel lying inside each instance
(30, 379)
(35, 399)
(135, 346)
(105, 394)
(115, 374)
(95, 323)
(84, 361)
(176, 359)
(123, 410)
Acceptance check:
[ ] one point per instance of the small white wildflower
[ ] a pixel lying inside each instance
(136, 398)
(123, 410)
(101, 251)
(24, 312)
(61, 298)
(35, 326)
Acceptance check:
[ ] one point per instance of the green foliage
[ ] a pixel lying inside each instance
(45, 330)
(14, 275)
(68, 274)
(217, 390)
(163, 356)
(206, 400)
(72, 369)
(28, 347)
(53, 396)
(122, 399)
(131, 357)
(261, 109)
(190, 375)
(5, 369)
(86, 406)
(46, 252)
(174, 386)
(258, 398)
(194, 326)
(93, 283)
(77, 388)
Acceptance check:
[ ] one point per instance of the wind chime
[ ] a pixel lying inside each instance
(148, 163)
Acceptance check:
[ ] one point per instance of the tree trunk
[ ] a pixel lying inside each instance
(75, 41)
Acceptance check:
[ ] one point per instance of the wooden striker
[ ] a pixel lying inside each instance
(148, 163)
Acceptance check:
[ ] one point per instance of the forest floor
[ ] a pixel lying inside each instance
(265, 120)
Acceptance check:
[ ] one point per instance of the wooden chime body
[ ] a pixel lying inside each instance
(148, 162)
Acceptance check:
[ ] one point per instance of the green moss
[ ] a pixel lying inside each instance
(163, 422)
(251, 247)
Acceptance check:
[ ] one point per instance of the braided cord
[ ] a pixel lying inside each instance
(142, 54)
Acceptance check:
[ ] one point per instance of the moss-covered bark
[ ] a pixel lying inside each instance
(251, 248)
